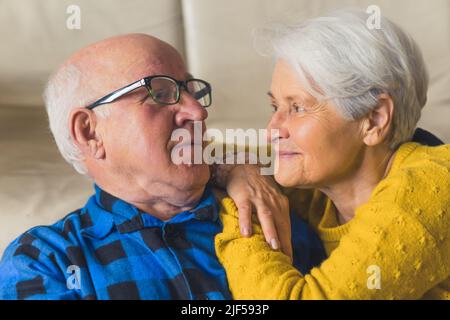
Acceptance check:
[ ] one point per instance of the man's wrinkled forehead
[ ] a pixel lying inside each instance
(120, 60)
(152, 63)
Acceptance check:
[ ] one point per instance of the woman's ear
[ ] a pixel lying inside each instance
(84, 132)
(377, 124)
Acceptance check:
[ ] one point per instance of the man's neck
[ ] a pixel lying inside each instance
(347, 195)
(166, 203)
(162, 210)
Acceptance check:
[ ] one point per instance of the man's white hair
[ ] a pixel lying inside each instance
(65, 91)
(338, 57)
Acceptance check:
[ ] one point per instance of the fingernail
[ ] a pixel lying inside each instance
(274, 244)
(245, 232)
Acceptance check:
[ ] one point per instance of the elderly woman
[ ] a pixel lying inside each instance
(346, 101)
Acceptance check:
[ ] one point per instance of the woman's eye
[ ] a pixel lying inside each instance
(298, 109)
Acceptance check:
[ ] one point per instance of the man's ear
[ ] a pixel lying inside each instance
(84, 132)
(377, 124)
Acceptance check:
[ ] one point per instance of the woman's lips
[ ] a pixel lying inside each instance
(287, 154)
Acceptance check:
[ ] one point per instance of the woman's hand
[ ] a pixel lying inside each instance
(251, 192)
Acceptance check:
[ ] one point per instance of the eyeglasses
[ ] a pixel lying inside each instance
(164, 90)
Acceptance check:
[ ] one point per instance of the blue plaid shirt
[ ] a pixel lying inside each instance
(109, 249)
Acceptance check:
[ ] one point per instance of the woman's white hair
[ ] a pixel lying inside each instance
(65, 91)
(338, 57)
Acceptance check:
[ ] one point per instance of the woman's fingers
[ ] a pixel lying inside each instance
(275, 222)
(250, 190)
(245, 217)
(283, 224)
(284, 231)
(266, 219)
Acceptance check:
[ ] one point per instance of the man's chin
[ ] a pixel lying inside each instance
(194, 167)
(192, 183)
(197, 173)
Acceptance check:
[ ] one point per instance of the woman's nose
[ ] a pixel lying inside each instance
(276, 129)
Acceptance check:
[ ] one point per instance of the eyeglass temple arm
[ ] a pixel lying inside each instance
(200, 94)
(117, 94)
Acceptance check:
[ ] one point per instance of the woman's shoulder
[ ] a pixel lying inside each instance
(418, 184)
(415, 154)
(420, 166)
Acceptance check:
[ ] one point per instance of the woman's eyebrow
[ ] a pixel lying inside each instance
(299, 98)
(289, 98)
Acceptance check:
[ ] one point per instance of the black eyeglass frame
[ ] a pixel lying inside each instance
(146, 82)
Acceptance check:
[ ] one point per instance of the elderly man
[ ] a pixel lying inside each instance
(148, 232)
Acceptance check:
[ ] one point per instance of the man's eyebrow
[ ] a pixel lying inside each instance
(189, 76)
(270, 95)
(140, 94)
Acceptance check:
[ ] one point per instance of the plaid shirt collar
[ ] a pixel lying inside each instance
(107, 211)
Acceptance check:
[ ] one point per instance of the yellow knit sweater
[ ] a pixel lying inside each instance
(397, 245)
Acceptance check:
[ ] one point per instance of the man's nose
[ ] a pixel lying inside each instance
(189, 110)
(277, 128)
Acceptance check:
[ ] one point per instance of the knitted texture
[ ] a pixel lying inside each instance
(395, 247)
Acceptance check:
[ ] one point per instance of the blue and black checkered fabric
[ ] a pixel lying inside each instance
(111, 250)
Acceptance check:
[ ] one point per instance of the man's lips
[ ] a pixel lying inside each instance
(193, 152)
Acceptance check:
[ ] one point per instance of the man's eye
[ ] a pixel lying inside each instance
(274, 108)
(160, 94)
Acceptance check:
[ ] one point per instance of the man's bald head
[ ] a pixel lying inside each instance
(117, 61)
(96, 70)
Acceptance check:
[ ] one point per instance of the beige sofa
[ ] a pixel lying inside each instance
(38, 187)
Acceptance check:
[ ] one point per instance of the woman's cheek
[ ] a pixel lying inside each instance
(301, 133)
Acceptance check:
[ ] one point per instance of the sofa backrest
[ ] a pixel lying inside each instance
(220, 47)
(216, 38)
(39, 35)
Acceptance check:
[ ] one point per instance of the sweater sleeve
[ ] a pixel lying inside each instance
(387, 254)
